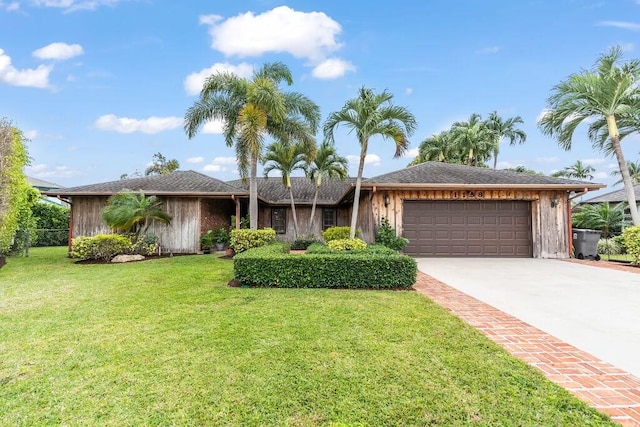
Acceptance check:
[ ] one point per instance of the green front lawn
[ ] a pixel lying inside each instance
(165, 342)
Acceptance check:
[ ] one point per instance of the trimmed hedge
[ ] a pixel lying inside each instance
(347, 245)
(271, 266)
(631, 239)
(102, 246)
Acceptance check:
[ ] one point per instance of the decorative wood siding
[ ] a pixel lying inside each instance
(304, 215)
(182, 236)
(87, 216)
(549, 224)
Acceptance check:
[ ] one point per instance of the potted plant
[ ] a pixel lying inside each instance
(220, 237)
(206, 241)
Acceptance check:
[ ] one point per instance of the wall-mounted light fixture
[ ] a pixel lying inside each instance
(387, 200)
(554, 201)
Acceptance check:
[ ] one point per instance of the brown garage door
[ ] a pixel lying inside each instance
(468, 228)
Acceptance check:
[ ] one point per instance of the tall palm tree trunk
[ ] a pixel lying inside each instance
(313, 208)
(293, 213)
(356, 194)
(253, 193)
(495, 157)
(624, 171)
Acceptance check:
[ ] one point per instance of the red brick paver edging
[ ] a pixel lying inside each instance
(601, 385)
(606, 264)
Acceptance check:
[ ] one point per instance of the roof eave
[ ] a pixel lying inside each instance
(148, 192)
(431, 186)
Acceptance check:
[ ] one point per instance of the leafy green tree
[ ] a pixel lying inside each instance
(51, 217)
(602, 96)
(370, 114)
(474, 139)
(161, 166)
(634, 173)
(250, 110)
(286, 159)
(130, 211)
(504, 129)
(329, 164)
(16, 195)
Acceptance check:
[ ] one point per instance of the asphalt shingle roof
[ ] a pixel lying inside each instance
(272, 190)
(178, 183)
(447, 173)
(40, 183)
(615, 196)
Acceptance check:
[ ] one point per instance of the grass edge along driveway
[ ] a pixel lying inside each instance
(165, 342)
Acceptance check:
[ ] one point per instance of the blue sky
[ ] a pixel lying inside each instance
(99, 86)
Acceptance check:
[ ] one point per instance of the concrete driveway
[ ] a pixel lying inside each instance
(595, 309)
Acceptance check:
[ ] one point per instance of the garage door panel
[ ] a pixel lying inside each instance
(468, 228)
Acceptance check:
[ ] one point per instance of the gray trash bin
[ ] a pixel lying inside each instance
(585, 243)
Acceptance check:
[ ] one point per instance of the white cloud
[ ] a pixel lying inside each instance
(29, 77)
(332, 68)
(488, 50)
(507, 164)
(592, 162)
(194, 81)
(221, 164)
(412, 152)
(600, 175)
(309, 35)
(151, 125)
(31, 134)
(632, 26)
(408, 91)
(10, 6)
(75, 5)
(370, 159)
(547, 159)
(58, 51)
(214, 127)
(43, 170)
(225, 160)
(195, 160)
(613, 165)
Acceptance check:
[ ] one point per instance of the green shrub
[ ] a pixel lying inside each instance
(101, 247)
(269, 266)
(319, 248)
(619, 239)
(52, 222)
(386, 235)
(347, 245)
(243, 239)
(608, 247)
(337, 233)
(302, 243)
(631, 238)
(145, 245)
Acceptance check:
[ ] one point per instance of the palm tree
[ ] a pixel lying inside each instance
(605, 95)
(634, 173)
(438, 148)
(504, 129)
(326, 164)
(251, 110)
(601, 216)
(577, 170)
(286, 158)
(370, 114)
(474, 139)
(133, 211)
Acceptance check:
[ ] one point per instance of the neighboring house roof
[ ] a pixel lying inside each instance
(272, 190)
(446, 175)
(41, 184)
(614, 196)
(183, 183)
